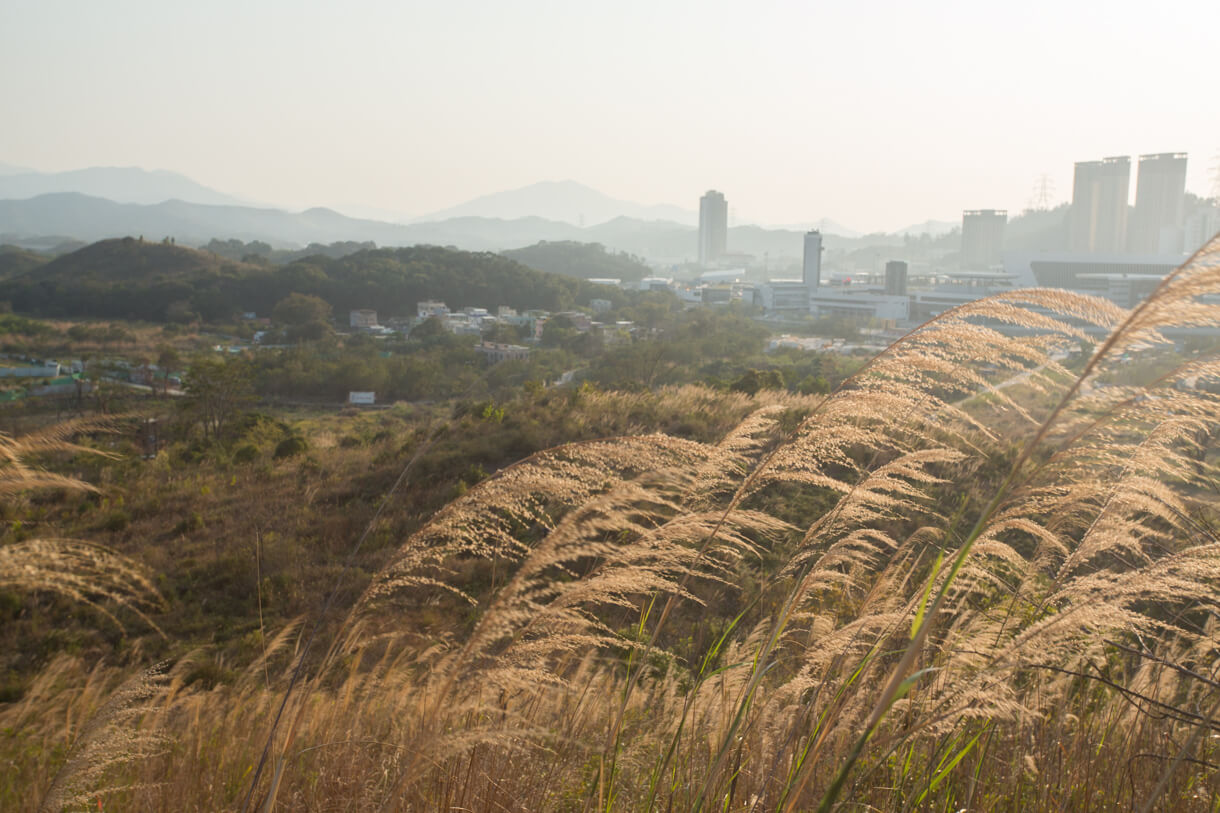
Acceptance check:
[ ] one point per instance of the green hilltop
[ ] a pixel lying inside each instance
(583, 260)
(132, 279)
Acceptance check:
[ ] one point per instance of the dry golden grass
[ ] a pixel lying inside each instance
(964, 618)
(79, 571)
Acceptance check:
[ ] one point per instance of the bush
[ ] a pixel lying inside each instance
(247, 453)
(290, 447)
(116, 521)
(192, 523)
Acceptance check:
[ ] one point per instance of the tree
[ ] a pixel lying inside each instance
(116, 334)
(503, 333)
(751, 381)
(430, 328)
(167, 359)
(296, 310)
(307, 317)
(813, 385)
(181, 312)
(558, 331)
(217, 388)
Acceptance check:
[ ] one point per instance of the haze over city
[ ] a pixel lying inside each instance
(876, 116)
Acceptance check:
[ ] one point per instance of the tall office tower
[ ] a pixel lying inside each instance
(1098, 222)
(895, 278)
(1200, 226)
(811, 268)
(983, 238)
(713, 226)
(1160, 201)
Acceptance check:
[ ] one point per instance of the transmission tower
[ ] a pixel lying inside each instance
(1044, 193)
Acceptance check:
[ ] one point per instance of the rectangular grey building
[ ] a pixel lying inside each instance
(713, 226)
(983, 238)
(1160, 201)
(1098, 220)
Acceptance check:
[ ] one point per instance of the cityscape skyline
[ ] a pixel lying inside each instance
(1162, 203)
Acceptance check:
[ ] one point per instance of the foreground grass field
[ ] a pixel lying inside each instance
(924, 591)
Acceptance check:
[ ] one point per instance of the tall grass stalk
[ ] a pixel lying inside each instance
(899, 682)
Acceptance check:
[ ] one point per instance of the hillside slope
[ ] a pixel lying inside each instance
(125, 259)
(131, 279)
(15, 260)
(581, 260)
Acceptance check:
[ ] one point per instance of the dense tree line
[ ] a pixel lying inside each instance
(129, 279)
(583, 260)
(260, 252)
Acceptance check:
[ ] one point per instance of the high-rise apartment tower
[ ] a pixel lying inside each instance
(1160, 201)
(811, 268)
(983, 238)
(713, 226)
(1098, 222)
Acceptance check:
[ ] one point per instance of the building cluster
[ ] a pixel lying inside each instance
(23, 377)
(475, 321)
(533, 322)
(1112, 249)
(1115, 250)
(1101, 222)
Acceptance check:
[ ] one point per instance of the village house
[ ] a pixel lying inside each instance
(495, 352)
(362, 318)
(430, 307)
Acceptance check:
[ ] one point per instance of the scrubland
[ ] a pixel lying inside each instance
(981, 574)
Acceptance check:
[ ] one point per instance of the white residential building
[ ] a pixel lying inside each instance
(362, 318)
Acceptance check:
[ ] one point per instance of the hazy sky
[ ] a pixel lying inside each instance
(875, 114)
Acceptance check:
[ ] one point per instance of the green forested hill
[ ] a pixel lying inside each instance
(583, 260)
(15, 260)
(128, 260)
(130, 279)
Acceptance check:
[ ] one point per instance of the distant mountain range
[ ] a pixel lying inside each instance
(81, 217)
(72, 216)
(119, 184)
(39, 208)
(564, 202)
(934, 228)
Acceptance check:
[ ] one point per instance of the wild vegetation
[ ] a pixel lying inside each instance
(981, 573)
(583, 260)
(130, 278)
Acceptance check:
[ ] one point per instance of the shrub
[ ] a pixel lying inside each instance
(290, 447)
(116, 521)
(193, 522)
(246, 453)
